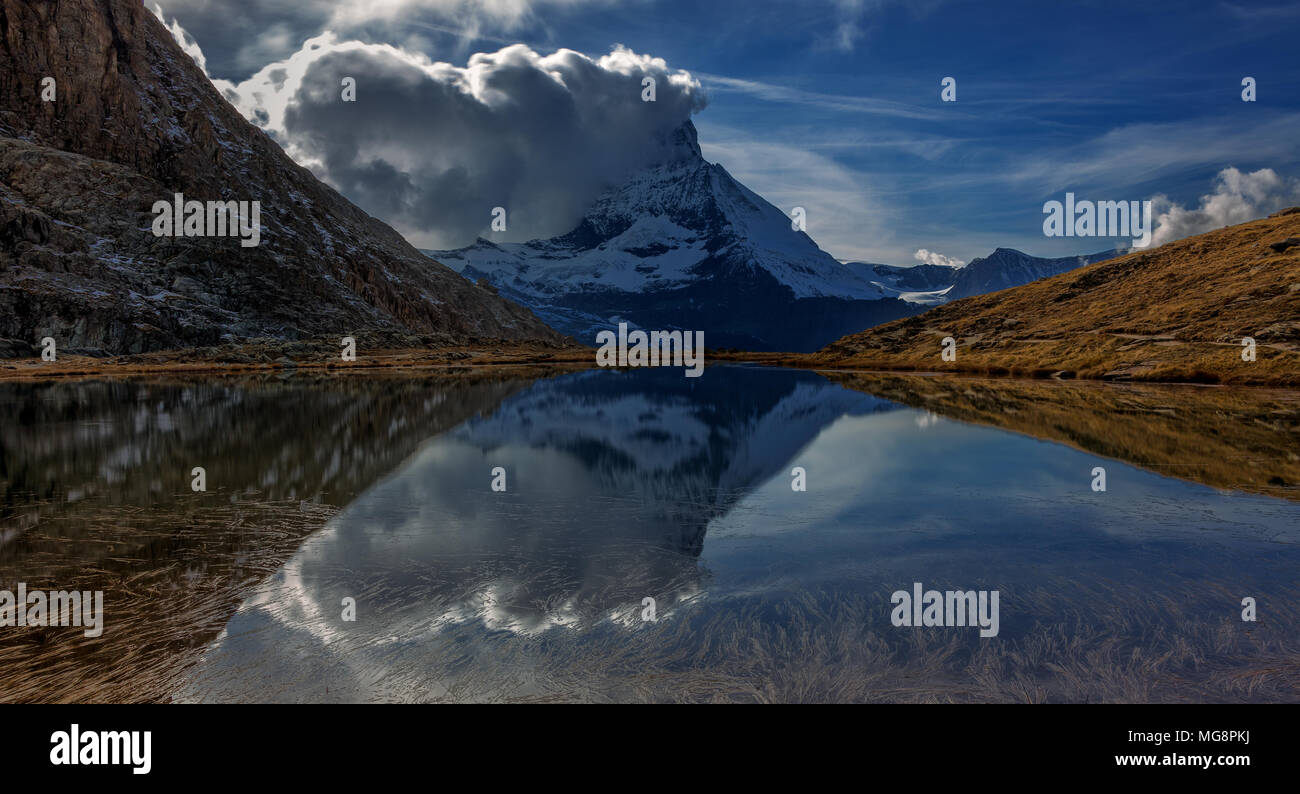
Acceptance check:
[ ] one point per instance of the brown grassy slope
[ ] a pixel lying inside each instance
(1174, 313)
(318, 355)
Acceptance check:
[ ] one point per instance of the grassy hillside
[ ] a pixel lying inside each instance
(1174, 313)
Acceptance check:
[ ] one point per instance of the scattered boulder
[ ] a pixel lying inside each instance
(17, 348)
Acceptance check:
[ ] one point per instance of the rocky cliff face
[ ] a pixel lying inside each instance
(134, 120)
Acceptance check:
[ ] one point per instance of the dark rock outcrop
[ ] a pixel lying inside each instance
(134, 121)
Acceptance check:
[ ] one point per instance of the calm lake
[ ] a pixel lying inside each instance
(351, 546)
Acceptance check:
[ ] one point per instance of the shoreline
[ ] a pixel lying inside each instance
(261, 359)
(258, 358)
(1170, 376)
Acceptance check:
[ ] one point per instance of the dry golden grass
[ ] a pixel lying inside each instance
(1174, 313)
(276, 356)
(172, 576)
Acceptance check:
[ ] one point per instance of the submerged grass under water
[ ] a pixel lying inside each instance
(174, 573)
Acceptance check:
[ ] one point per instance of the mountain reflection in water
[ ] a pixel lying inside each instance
(624, 486)
(628, 485)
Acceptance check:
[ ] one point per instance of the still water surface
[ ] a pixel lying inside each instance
(623, 486)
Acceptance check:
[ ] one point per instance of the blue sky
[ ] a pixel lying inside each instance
(835, 106)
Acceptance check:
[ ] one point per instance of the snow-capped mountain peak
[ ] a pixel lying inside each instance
(681, 243)
(681, 231)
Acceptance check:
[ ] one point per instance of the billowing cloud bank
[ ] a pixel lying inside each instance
(433, 148)
(1238, 197)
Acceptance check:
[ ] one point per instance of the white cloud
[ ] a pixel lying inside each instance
(935, 258)
(1238, 197)
(242, 40)
(186, 42)
(852, 18)
(469, 19)
(503, 14)
(432, 148)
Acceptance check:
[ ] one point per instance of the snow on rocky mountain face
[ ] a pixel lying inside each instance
(924, 285)
(931, 285)
(684, 245)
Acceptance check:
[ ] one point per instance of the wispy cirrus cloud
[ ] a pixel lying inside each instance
(773, 92)
(1262, 13)
(853, 20)
(844, 217)
(848, 23)
(1138, 153)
